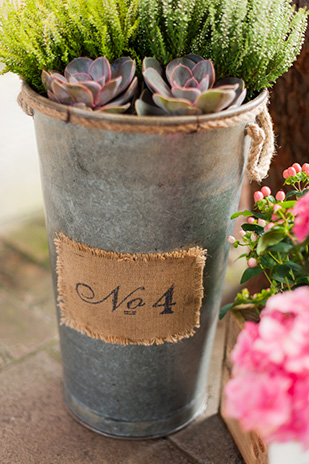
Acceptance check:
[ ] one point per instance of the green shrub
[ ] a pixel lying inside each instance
(48, 34)
(256, 40)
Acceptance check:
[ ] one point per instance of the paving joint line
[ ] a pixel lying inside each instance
(43, 347)
(181, 451)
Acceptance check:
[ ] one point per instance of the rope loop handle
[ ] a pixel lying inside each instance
(262, 146)
(24, 106)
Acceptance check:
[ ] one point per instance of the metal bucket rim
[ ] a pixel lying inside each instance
(43, 104)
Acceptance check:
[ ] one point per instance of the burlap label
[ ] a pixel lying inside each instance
(129, 299)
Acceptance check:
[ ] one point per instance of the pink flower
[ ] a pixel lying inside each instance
(231, 239)
(269, 226)
(251, 220)
(305, 168)
(296, 301)
(297, 167)
(269, 391)
(252, 262)
(242, 233)
(285, 174)
(266, 191)
(261, 222)
(301, 222)
(258, 196)
(291, 171)
(260, 401)
(280, 196)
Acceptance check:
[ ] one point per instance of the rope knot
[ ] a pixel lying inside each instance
(262, 146)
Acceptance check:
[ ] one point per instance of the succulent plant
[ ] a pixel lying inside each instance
(94, 84)
(189, 88)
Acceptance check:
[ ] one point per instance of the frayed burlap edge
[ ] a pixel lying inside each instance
(199, 253)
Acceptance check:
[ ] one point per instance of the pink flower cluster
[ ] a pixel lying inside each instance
(265, 192)
(301, 222)
(269, 391)
(294, 169)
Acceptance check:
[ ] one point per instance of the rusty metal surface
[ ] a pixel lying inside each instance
(141, 193)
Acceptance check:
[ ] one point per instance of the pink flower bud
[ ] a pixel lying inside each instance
(285, 174)
(276, 207)
(255, 295)
(266, 191)
(231, 239)
(297, 167)
(251, 220)
(281, 195)
(258, 196)
(273, 217)
(305, 168)
(269, 226)
(242, 233)
(252, 262)
(261, 222)
(291, 171)
(254, 237)
(281, 221)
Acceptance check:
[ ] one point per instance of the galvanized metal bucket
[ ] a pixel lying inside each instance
(140, 185)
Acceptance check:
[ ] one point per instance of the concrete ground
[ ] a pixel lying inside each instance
(35, 427)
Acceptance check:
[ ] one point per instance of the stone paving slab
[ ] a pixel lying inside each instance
(36, 428)
(30, 239)
(27, 316)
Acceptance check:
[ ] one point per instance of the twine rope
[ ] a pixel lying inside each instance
(261, 147)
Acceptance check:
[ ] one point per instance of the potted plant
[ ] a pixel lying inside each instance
(276, 235)
(132, 200)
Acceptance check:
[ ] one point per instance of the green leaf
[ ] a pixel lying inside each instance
(267, 261)
(288, 204)
(241, 256)
(294, 266)
(250, 273)
(247, 213)
(224, 310)
(302, 193)
(281, 273)
(253, 228)
(281, 247)
(271, 237)
(291, 193)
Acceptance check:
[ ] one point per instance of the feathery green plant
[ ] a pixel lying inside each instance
(48, 34)
(168, 28)
(255, 40)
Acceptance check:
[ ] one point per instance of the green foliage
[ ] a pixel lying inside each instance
(271, 242)
(168, 28)
(48, 34)
(255, 40)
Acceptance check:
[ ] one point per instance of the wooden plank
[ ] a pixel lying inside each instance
(250, 444)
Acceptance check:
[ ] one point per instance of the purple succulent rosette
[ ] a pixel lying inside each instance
(94, 84)
(188, 88)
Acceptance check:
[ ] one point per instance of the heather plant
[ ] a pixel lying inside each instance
(255, 40)
(276, 237)
(48, 34)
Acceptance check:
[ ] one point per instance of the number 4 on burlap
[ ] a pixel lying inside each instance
(166, 301)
